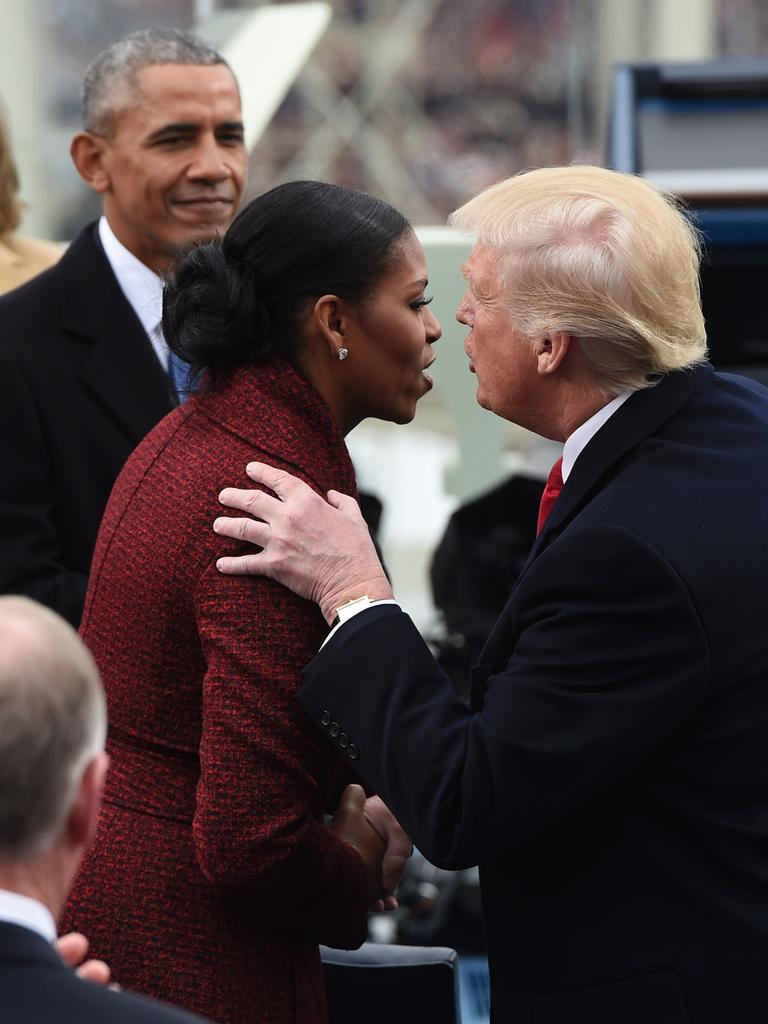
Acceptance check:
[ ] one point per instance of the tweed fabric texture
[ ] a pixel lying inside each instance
(213, 877)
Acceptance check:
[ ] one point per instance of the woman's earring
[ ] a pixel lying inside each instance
(343, 353)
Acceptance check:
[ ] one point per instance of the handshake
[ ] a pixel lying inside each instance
(370, 828)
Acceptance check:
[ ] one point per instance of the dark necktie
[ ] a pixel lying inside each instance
(551, 493)
(178, 371)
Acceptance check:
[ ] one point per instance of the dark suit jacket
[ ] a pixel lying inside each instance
(611, 776)
(36, 988)
(80, 386)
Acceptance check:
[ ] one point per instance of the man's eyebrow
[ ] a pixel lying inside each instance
(464, 271)
(178, 127)
(190, 128)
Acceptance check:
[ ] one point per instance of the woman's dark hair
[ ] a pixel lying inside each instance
(239, 300)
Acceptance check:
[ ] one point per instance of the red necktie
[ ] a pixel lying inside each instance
(551, 493)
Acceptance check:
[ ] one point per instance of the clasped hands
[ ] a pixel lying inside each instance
(368, 825)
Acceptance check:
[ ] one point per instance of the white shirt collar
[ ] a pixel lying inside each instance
(27, 913)
(581, 437)
(142, 287)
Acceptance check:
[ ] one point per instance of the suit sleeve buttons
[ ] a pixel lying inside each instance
(342, 738)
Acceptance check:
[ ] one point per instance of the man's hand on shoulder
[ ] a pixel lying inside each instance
(321, 549)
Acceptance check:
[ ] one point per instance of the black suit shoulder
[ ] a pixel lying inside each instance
(79, 295)
(80, 386)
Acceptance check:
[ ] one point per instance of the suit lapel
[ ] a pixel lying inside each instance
(639, 417)
(121, 369)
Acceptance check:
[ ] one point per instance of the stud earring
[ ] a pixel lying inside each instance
(343, 353)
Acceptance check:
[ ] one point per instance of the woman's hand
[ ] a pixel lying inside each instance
(351, 824)
(320, 549)
(399, 847)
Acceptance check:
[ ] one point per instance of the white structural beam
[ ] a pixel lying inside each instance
(648, 30)
(356, 119)
(685, 30)
(267, 48)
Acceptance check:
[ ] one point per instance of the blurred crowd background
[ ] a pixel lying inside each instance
(422, 101)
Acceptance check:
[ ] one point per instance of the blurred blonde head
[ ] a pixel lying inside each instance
(604, 256)
(10, 207)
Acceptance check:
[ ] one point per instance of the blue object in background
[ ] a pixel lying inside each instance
(733, 227)
(710, 119)
(474, 990)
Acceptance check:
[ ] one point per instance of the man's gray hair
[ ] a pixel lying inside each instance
(52, 724)
(109, 78)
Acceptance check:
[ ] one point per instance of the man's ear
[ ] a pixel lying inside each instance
(551, 351)
(84, 812)
(330, 319)
(89, 154)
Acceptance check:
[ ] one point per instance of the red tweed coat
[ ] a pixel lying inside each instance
(213, 877)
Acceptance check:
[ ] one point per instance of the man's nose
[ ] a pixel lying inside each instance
(209, 163)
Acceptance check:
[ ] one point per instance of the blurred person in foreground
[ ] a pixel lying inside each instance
(52, 769)
(85, 371)
(20, 258)
(609, 774)
(214, 876)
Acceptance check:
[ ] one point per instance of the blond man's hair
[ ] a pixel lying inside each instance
(606, 257)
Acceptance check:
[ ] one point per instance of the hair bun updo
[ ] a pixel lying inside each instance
(234, 302)
(214, 316)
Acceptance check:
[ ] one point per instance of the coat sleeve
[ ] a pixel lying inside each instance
(601, 661)
(30, 559)
(265, 775)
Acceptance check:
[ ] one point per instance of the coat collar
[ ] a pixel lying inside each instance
(640, 416)
(23, 946)
(121, 369)
(273, 407)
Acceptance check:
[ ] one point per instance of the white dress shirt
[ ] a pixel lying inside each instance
(581, 437)
(142, 287)
(27, 913)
